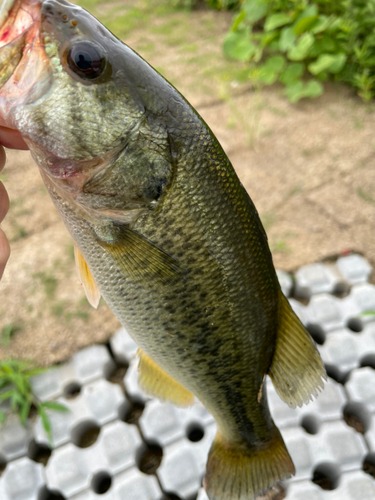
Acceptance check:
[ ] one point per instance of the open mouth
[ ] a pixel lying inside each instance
(18, 33)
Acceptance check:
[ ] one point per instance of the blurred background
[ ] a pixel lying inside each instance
(286, 87)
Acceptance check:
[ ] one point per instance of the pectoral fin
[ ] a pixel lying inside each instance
(297, 370)
(154, 381)
(139, 257)
(85, 277)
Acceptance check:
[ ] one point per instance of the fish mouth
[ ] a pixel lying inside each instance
(19, 37)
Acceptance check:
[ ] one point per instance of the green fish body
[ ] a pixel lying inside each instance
(170, 237)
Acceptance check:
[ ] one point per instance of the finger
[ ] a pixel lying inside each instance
(2, 157)
(12, 139)
(4, 252)
(4, 202)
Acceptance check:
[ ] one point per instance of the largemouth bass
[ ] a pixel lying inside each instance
(164, 231)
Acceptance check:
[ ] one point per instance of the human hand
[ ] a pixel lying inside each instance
(4, 206)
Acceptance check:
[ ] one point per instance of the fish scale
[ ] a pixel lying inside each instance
(166, 233)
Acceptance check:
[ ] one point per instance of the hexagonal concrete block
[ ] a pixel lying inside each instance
(123, 346)
(14, 438)
(361, 387)
(70, 470)
(316, 278)
(98, 402)
(335, 442)
(183, 465)
(326, 311)
(22, 480)
(354, 268)
(129, 485)
(85, 366)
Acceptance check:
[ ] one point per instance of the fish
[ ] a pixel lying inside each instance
(163, 230)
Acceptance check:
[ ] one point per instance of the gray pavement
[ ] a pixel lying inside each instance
(118, 444)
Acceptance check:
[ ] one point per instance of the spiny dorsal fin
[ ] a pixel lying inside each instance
(85, 277)
(297, 370)
(139, 257)
(154, 381)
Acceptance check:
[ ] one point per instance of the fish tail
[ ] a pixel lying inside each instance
(238, 471)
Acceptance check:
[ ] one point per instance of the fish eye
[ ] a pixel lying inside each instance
(86, 60)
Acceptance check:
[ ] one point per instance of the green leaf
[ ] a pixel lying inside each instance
(311, 11)
(266, 75)
(287, 39)
(276, 63)
(255, 10)
(46, 422)
(323, 24)
(327, 62)
(293, 72)
(24, 412)
(301, 50)
(238, 45)
(338, 64)
(298, 90)
(53, 405)
(313, 89)
(276, 20)
(238, 20)
(305, 24)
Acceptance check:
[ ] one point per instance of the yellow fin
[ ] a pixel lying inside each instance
(154, 381)
(297, 370)
(237, 471)
(85, 277)
(139, 257)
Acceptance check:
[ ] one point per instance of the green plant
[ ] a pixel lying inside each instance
(7, 332)
(302, 43)
(15, 386)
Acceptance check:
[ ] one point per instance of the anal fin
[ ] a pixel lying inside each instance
(297, 370)
(85, 277)
(154, 381)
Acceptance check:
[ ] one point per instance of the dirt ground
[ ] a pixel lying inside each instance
(309, 168)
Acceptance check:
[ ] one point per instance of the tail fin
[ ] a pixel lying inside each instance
(297, 370)
(236, 471)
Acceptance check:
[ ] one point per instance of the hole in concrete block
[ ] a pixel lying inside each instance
(334, 373)
(85, 434)
(150, 459)
(355, 325)
(195, 432)
(357, 416)
(171, 496)
(40, 453)
(369, 464)
(317, 333)
(3, 464)
(311, 424)
(117, 375)
(72, 390)
(133, 413)
(46, 494)
(341, 290)
(368, 360)
(101, 482)
(326, 475)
